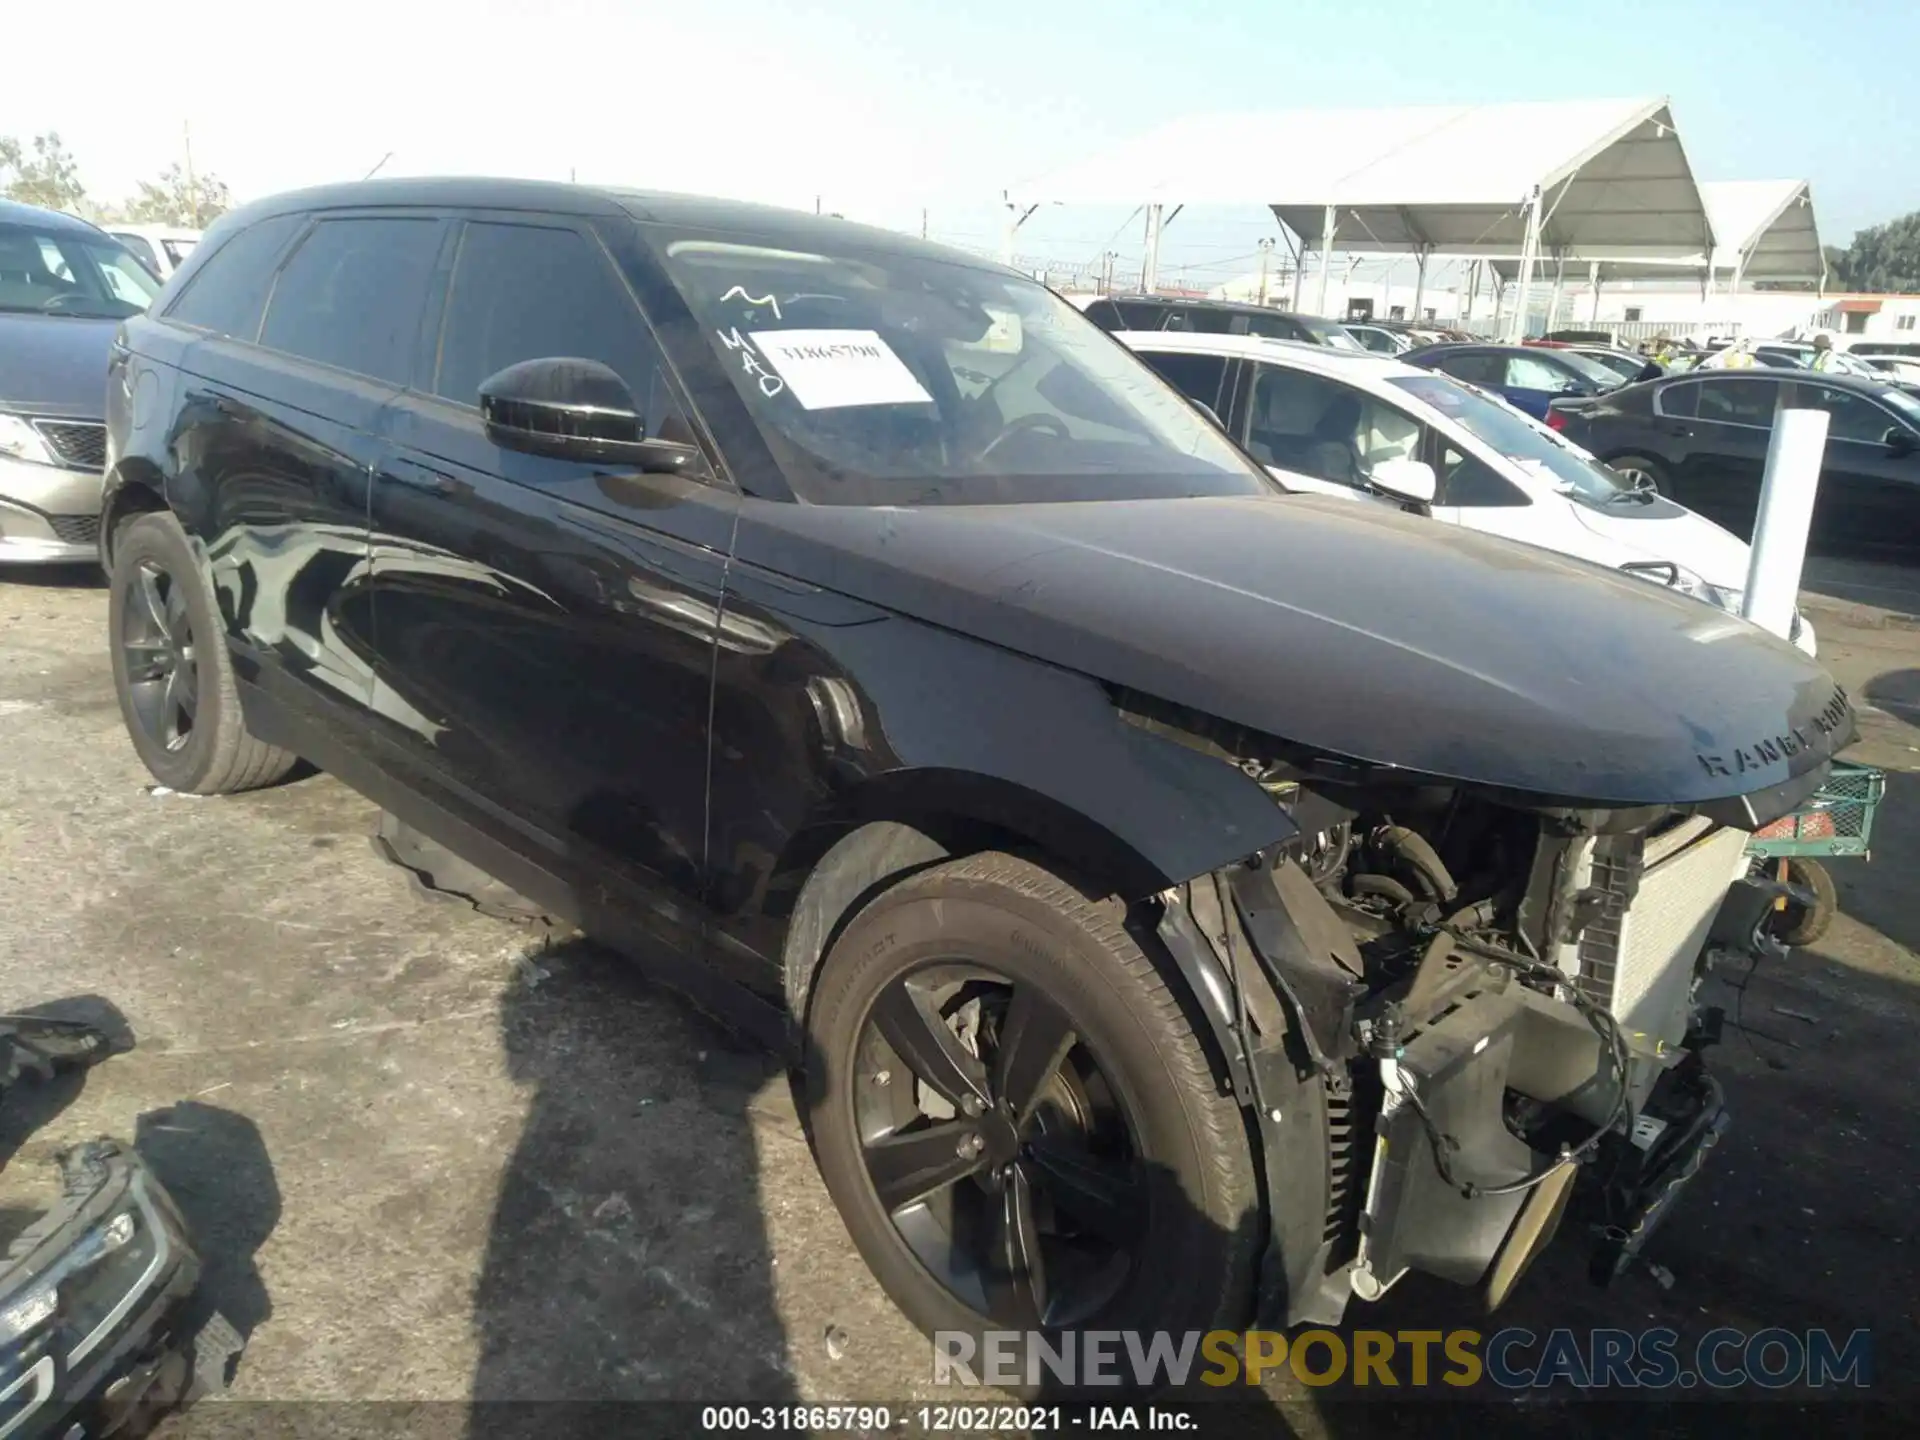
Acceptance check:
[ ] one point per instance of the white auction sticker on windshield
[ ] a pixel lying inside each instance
(829, 369)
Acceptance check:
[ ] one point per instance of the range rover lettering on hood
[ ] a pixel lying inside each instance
(1353, 630)
(1763, 754)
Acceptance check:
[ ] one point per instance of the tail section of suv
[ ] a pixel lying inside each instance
(849, 626)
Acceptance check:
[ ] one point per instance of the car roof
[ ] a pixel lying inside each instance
(1232, 307)
(1324, 359)
(1836, 378)
(788, 227)
(155, 232)
(12, 212)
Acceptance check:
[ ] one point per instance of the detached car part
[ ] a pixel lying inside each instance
(97, 1322)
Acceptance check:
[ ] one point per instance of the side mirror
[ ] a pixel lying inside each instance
(1405, 480)
(1898, 441)
(574, 409)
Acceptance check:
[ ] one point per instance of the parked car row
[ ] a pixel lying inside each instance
(1112, 813)
(1360, 427)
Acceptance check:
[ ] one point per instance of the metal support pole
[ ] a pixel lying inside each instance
(1326, 259)
(1593, 284)
(1464, 313)
(1006, 235)
(1150, 267)
(1559, 279)
(1419, 283)
(1266, 253)
(1529, 250)
(1787, 491)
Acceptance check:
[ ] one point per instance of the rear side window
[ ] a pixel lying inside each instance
(228, 292)
(1739, 402)
(1476, 368)
(1106, 315)
(352, 295)
(1145, 317)
(142, 251)
(526, 292)
(1275, 327)
(1198, 377)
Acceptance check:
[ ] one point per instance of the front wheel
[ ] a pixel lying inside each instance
(1016, 1119)
(171, 670)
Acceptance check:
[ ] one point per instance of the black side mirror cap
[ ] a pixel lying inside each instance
(575, 409)
(1898, 441)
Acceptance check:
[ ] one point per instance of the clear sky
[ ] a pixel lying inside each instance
(882, 107)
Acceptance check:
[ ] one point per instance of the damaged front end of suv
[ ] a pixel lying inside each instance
(1461, 1011)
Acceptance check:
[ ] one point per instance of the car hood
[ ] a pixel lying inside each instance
(1716, 555)
(55, 364)
(1353, 630)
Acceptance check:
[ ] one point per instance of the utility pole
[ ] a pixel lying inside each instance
(193, 186)
(923, 222)
(1266, 250)
(1106, 271)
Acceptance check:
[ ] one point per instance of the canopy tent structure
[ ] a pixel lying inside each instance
(1582, 179)
(1765, 230)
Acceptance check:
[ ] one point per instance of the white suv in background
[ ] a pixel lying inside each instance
(163, 249)
(1371, 429)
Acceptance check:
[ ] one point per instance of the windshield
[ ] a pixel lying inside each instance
(888, 378)
(1328, 333)
(1532, 447)
(1590, 369)
(59, 272)
(1625, 366)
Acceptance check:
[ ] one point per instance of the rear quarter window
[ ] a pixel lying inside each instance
(228, 293)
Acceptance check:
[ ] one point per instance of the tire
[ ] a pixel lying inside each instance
(1627, 466)
(1798, 924)
(171, 670)
(1190, 1212)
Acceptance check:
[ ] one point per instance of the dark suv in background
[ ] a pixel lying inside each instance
(807, 606)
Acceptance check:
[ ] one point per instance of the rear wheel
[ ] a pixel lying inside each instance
(1016, 1119)
(1642, 472)
(171, 670)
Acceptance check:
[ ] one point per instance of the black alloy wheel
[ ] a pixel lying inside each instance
(1017, 1120)
(994, 1142)
(171, 670)
(156, 641)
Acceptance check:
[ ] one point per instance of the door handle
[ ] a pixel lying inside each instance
(1684, 431)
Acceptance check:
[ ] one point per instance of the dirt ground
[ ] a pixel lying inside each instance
(432, 1157)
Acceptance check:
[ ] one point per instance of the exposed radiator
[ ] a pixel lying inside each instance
(1654, 902)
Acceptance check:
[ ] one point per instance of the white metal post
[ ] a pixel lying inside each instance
(1150, 267)
(1326, 260)
(1787, 492)
(1593, 284)
(1529, 249)
(1419, 283)
(1465, 311)
(1559, 279)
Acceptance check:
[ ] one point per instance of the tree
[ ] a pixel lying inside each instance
(171, 200)
(1881, 258)
(40, 173)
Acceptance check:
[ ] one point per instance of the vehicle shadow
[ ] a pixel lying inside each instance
(1885, 585)
(214, 1164)
(628, 1260)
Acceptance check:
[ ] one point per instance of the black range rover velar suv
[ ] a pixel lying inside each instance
(1120, 842)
